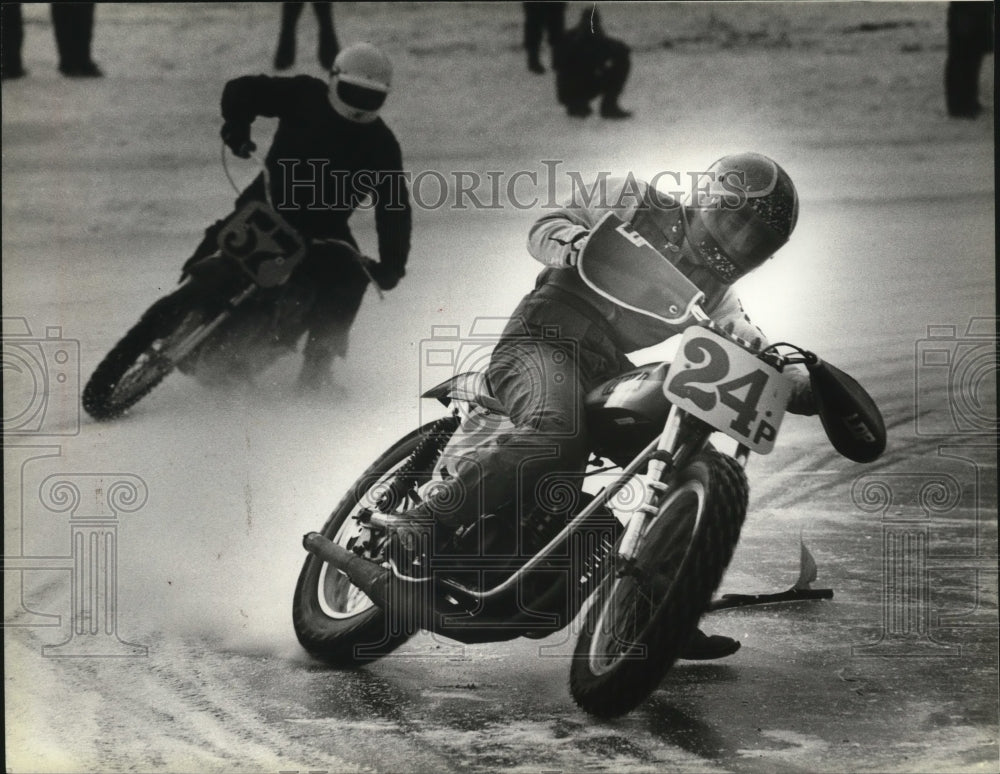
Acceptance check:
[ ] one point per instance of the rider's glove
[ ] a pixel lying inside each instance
(575, 247)
(236, 135)
(385, 277)
(801, 400)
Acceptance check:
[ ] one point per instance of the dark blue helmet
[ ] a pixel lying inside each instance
(748, 212)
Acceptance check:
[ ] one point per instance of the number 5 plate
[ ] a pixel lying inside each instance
(735, 392)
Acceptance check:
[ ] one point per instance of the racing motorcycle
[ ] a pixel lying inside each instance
(634, 564)
(234, 314)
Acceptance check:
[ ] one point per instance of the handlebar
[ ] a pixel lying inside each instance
(361, 259)
(768, 354)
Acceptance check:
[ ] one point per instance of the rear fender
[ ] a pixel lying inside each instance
(470, 387)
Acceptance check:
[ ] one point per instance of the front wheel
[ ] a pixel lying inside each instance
(143, 357)
(334, 620)
(640, 618)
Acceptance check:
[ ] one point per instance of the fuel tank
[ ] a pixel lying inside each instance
(627, 412)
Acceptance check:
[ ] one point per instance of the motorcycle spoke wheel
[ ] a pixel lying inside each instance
(337, 596)
(138, 363)
(144, 374)
(632, 601)
(641, 618)
(334, 620)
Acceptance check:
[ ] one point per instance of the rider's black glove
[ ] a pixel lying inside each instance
(236, 135)
(385, 277)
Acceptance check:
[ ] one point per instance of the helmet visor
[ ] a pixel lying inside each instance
(360, 97)
(732, 242)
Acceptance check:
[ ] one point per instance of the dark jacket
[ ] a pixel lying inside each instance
(657, 217)
(321, 165)
(588, 63)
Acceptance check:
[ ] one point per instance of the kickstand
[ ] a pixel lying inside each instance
(800, 591)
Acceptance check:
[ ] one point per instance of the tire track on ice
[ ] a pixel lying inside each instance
(176, 710)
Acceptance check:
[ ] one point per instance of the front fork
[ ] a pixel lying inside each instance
(212, 278)
(683, 436)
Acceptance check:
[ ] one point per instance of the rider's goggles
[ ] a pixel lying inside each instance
(360, 97)
(731, 242)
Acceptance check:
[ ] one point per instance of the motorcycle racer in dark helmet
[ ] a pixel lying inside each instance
(750, 212)
(742, 215)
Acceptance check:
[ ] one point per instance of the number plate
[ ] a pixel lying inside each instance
(735, 392)
(267, 248)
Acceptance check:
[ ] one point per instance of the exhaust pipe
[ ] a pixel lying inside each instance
(376, 581)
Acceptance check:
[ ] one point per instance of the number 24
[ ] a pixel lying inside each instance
(715, 369)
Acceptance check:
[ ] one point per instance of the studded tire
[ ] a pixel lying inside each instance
(638, 622)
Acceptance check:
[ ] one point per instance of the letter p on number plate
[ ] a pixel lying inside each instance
(735, 392)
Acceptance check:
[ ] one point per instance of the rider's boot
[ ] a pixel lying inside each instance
(704, 647)
(411, 538)
(416, 536)
(611, 109)
(316, 374)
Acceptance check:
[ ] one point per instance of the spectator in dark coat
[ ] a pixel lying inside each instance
(74, 28)
(589, 64)
(328, 45)
(541, 18)
(12, 27)
(73, 25)
(970, 38)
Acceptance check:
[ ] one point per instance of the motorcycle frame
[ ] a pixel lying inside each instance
(682, 437)
(198, 336)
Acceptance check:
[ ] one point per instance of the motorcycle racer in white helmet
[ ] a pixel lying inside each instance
(330, 152)
(360, 81)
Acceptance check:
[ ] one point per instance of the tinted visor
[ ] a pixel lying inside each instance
(360, 97)
(732, 242)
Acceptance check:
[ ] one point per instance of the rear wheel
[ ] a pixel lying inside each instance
(142, 359)
(640, 619)
(334, 620)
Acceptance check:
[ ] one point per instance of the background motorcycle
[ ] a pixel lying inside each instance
(234, 314)
(648, 573)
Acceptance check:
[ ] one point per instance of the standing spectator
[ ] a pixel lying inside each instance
(74, 27)
(590, 64)
(328, 45)
(970, 37)
(541, 18)
(12, 29)
(73, 24)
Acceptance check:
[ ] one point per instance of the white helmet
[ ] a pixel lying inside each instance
(359, 82)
